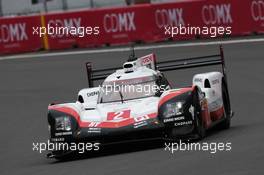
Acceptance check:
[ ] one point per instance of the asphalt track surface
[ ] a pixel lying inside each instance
(28, 85)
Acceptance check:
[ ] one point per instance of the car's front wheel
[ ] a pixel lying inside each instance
(200, 130)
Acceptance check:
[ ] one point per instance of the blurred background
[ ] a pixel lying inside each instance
(22, 7)
(122, 22)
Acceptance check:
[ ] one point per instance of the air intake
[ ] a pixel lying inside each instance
(129, 67)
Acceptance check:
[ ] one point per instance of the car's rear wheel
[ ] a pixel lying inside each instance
(225, 124)
(200, 130)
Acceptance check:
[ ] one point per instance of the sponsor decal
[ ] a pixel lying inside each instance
(63, 133)
(141, 121)
(140, 124)
(215, 104)
(94, 130)
(61, 139)
(183, 123)
(257, 10)
(121, 22)
(93, 124)
(198, 80)
(169, 17)
(217, 14)
(216, 81)
(173, 119)
(13, 32)
(94, 93)
(141, 118)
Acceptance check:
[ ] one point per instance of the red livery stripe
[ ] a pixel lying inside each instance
(106, 124)
(215, 115)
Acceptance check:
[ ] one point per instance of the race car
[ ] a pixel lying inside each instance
(136, 102)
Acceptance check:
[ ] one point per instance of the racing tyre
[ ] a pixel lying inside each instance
(225, 124)
(198, 122)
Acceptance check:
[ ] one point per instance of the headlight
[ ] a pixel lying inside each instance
(63, 123)
(173, 109)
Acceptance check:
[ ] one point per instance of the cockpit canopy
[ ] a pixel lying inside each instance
(128, 89)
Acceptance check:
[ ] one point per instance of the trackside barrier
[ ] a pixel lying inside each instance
(16, 35)
(141, 23)
(236, 14)
(104, 26)
(146, 23)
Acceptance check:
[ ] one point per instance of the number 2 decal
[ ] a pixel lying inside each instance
(118, 115)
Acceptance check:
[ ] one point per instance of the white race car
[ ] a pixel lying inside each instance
(136, 102)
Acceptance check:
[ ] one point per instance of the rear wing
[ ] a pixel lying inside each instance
(170, 65)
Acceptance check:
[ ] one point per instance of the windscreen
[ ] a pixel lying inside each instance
(128, 90)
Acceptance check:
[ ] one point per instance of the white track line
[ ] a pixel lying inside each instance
(108, 50)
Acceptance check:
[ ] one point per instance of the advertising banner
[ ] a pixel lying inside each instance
(16, 34)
